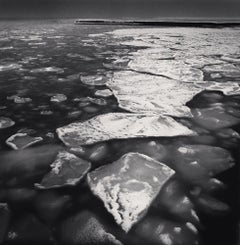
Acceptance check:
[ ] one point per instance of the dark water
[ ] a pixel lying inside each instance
(50, 44)
(41, 59)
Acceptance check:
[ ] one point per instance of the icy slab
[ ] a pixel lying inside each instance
(19, 100)
(191, 41)
(104, 93)
(128, 186)
(177, 70)
(67, 170)
(9, 67)
(46, 112)
(96, 80)
(144, 93)
(48, 69)
(221, 68)
(202, 61)
(167, 74)
(231, 58)
(22, 140)
(120, 126)
(6, 48)
(97, 101)
(58, 98)
(156, 53)
(80, 56)
(227, 70)
(228, 88)
(6, 122)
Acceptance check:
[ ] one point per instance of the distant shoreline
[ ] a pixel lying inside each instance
(157, 23)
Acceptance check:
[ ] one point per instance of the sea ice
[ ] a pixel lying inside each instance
(120, 126)
(127, 186)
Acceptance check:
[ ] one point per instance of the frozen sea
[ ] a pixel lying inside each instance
(88, 111)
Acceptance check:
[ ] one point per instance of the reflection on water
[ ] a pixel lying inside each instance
(172, 96)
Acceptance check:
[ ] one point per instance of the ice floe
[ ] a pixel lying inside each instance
(96, 80)
(22, 141)
(104, 93)
(8, 67)
(127, 186)
(200, 41)
(164, 76)
(144, 93)
(47, 69)
(231, 58)
(120, 126)
(6, 122)
(227, 70)
(6, 48)
(228, 88)
(177, 70)
(67, 170)
(19, 100)
(58, 98)
(46, 113)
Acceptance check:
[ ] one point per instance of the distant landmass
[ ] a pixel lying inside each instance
(195, 23)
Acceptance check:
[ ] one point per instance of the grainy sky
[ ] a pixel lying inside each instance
(135, 9)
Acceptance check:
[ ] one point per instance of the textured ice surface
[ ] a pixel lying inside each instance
(47, 69)
(104, 93)
(157, 81)
(10, 66)
(144, 93)
(58, 98)
(94, 80)
(120, 126)
(22, 141)
(67, 170)
(128, 186)
(6, 122)
(170, 70)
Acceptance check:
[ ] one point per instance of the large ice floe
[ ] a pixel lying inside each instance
(162, 76)
(144, 93)
(169, 69)
(120, 126)
(128, 196)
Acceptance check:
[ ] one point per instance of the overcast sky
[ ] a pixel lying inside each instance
(136, 9)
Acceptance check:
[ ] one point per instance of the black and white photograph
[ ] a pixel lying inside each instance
(119, 122)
